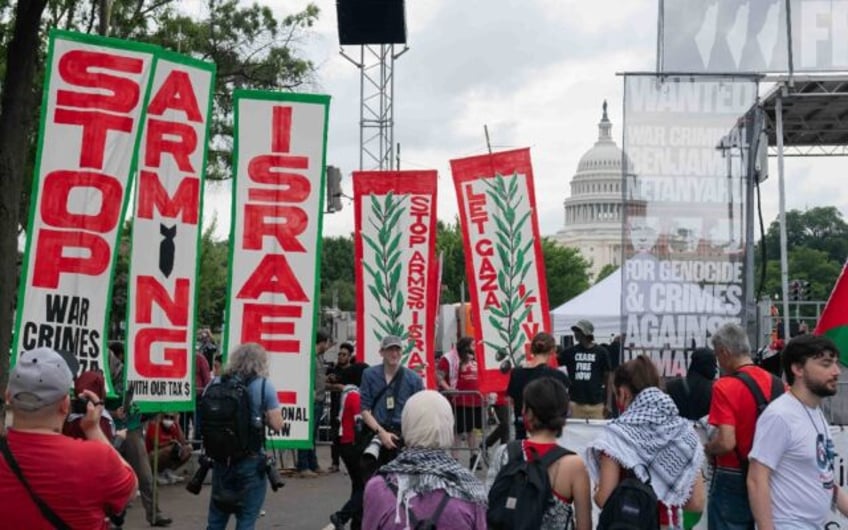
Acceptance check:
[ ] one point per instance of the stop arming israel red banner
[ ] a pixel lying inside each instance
(166, 235)
(504, 262)
(275, 244)
(396, 284)
(95, 92)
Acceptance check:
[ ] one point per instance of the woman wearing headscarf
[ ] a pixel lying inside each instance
(545, 406)
(424, 483)
(651, 442)
(692, 393)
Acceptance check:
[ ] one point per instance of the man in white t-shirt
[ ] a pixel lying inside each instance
(790, 479)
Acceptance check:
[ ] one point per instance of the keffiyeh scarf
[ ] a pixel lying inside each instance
(650, 435)
(420, 471)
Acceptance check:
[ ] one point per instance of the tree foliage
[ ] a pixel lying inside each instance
(817, 243)
(566, 272)
(337, 273)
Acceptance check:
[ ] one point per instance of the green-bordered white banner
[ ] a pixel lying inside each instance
(166, 233)
(95, 93)
(275, 244)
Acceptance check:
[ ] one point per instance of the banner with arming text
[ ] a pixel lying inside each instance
(275, 244)
(504, 262)
(686, 145)
(396, 280)
(166, 235)
(95, 93)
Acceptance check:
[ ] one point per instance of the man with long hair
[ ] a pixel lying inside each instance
(239, 486)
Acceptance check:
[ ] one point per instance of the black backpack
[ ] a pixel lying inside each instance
(521, 493)
(226, 425)
(631, 506)
(761, 402)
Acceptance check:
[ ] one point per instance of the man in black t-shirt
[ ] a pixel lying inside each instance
(589, 368)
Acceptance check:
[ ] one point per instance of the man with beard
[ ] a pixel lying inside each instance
(791, 479)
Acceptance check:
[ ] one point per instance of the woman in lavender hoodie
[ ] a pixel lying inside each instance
(424, 483)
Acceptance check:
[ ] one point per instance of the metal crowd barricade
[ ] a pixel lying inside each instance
(488, 423)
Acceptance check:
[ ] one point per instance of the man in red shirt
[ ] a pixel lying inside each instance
(80, 481)
(733, 412)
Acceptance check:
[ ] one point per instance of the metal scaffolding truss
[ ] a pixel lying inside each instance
(376, 104)
(815, 116)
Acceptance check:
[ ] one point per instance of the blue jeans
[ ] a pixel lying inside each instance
(728, 507)
(246, 479)
(306, 458)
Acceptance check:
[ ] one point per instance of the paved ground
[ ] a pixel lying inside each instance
(303, 504)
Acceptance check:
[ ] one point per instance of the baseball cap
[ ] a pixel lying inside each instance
(41, 377)
(585, 327)
(391, 341)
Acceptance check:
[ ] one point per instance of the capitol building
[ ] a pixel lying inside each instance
(593, 212)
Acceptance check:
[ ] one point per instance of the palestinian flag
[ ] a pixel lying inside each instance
(833, 322)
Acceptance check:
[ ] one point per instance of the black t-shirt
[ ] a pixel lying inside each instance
(587, 368)
(352, 375)
(520, 377)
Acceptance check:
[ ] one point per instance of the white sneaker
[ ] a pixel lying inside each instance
(173, 477)
(162, 479)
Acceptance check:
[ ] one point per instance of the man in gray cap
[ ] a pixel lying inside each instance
(589, 368)
(383, 394)
(78, 483)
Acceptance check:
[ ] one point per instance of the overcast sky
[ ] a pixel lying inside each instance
(535, 71)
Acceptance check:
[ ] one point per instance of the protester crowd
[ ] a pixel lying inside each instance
(768, 444)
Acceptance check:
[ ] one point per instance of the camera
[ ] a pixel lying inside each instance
(274, 478)
(79, 405)
(196, 483)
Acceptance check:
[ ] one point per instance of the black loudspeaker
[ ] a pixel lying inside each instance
(371, 22)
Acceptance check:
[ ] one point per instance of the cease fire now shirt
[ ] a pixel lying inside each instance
(587, 368)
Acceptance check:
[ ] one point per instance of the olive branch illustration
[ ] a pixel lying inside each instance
(512, 253)
(386, 268)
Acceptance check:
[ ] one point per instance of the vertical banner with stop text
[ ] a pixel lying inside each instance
(95, 91)
(504, 262)
(275, 244)
(166, 235)
(396, 280)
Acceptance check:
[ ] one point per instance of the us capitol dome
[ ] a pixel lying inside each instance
(593, 212)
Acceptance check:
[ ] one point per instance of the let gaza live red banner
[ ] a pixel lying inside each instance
(95, 93)
(275, 244)
(396, 280)
(504, 263)
(166, 235)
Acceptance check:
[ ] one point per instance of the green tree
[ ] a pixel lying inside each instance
(337, 272)
(212, 281)
(449, 246)
(608, 269)
(566, 272)
(817, 241)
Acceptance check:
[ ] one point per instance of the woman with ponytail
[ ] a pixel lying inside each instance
(650, 442)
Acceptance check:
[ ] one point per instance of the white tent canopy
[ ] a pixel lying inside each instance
(600, 305)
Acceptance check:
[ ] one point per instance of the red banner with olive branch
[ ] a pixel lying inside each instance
(396, 265)
(503, 259)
